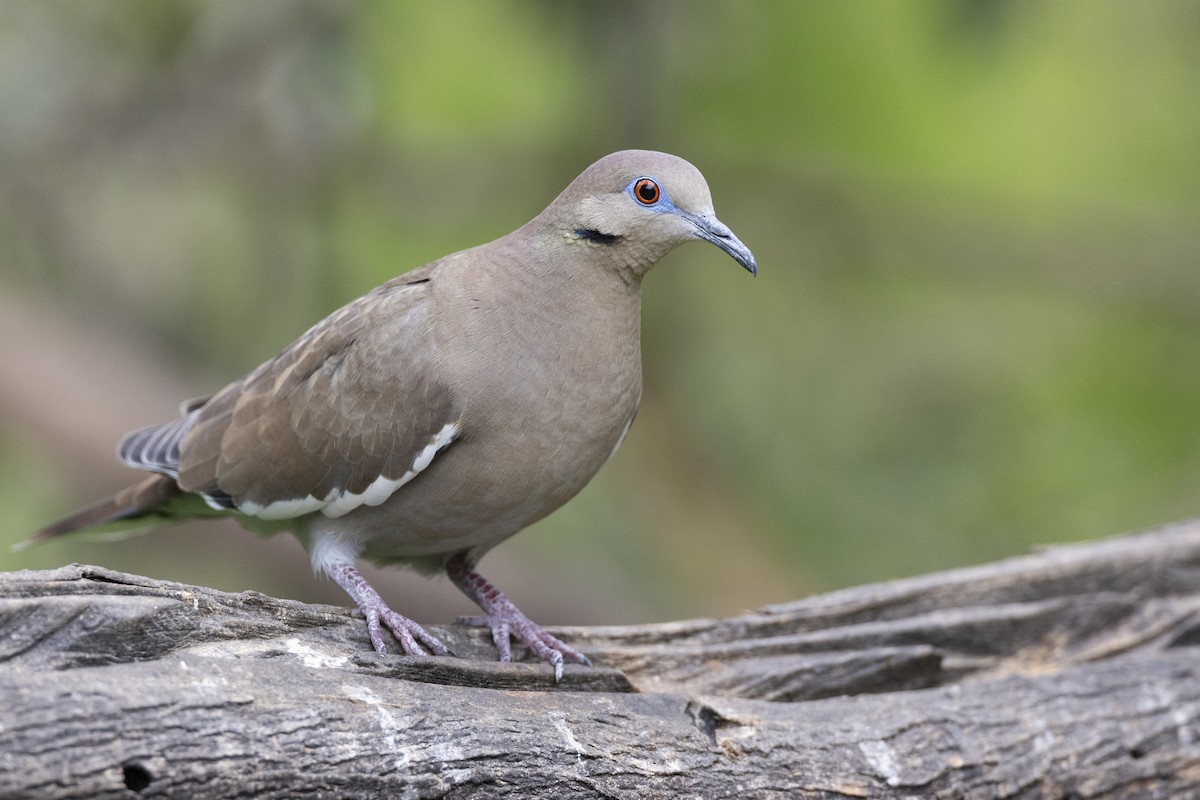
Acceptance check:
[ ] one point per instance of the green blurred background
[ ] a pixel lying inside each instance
(976, 325)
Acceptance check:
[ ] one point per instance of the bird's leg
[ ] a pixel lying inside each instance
(410, 635)
(506, 620)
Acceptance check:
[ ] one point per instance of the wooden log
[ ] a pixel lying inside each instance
(1068, 673)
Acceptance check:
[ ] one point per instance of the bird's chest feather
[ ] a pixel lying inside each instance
(544, 410)
(542, 398)
(559, 393)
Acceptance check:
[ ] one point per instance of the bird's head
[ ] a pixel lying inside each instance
(637, 205)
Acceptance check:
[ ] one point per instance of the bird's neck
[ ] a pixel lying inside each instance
(571, 320)
(571, 297)
(578, 285)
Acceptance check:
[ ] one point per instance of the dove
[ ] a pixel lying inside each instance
(439, 414)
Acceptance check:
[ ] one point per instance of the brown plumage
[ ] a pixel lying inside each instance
(444, 411)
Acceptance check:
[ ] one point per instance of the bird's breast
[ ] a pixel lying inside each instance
(568, 397)
(545, 402)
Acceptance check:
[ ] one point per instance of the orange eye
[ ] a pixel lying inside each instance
(646, 191)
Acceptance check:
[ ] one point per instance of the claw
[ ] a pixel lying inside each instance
(412, 637)
(506, 620)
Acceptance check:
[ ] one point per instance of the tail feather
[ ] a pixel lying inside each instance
(143, 500)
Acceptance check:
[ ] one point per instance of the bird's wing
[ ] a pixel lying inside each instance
(343, 417)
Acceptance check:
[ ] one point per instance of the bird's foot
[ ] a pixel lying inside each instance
(409, 634)
(506, 620)
(414, 640)
(542, 644)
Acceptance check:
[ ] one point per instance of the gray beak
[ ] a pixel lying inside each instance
(711, 229)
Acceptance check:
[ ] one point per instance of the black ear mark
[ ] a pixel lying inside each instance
(593, 235)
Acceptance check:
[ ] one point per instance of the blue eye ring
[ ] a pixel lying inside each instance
(646, 191)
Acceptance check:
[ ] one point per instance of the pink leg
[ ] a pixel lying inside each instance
(375, 610)
(506, 620)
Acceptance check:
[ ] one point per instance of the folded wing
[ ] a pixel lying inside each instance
(344, 417)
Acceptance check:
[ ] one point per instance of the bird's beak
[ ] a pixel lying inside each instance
(711, 229)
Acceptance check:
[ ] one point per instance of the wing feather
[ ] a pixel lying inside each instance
(156, 448)
(321, 427)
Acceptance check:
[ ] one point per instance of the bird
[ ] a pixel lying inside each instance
(442, 412)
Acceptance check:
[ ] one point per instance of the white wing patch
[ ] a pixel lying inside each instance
(283, 509)
(381, 489)
(621, 438)
(628, 425)
(339, 503)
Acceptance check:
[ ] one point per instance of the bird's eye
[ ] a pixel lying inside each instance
(646, 191)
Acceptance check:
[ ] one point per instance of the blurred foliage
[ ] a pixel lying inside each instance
(975, 326)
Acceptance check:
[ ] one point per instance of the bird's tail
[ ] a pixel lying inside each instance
(145, 503)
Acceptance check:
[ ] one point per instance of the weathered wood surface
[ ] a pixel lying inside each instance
(1067, 674)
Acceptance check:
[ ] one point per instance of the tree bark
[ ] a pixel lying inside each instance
(1068, 673)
